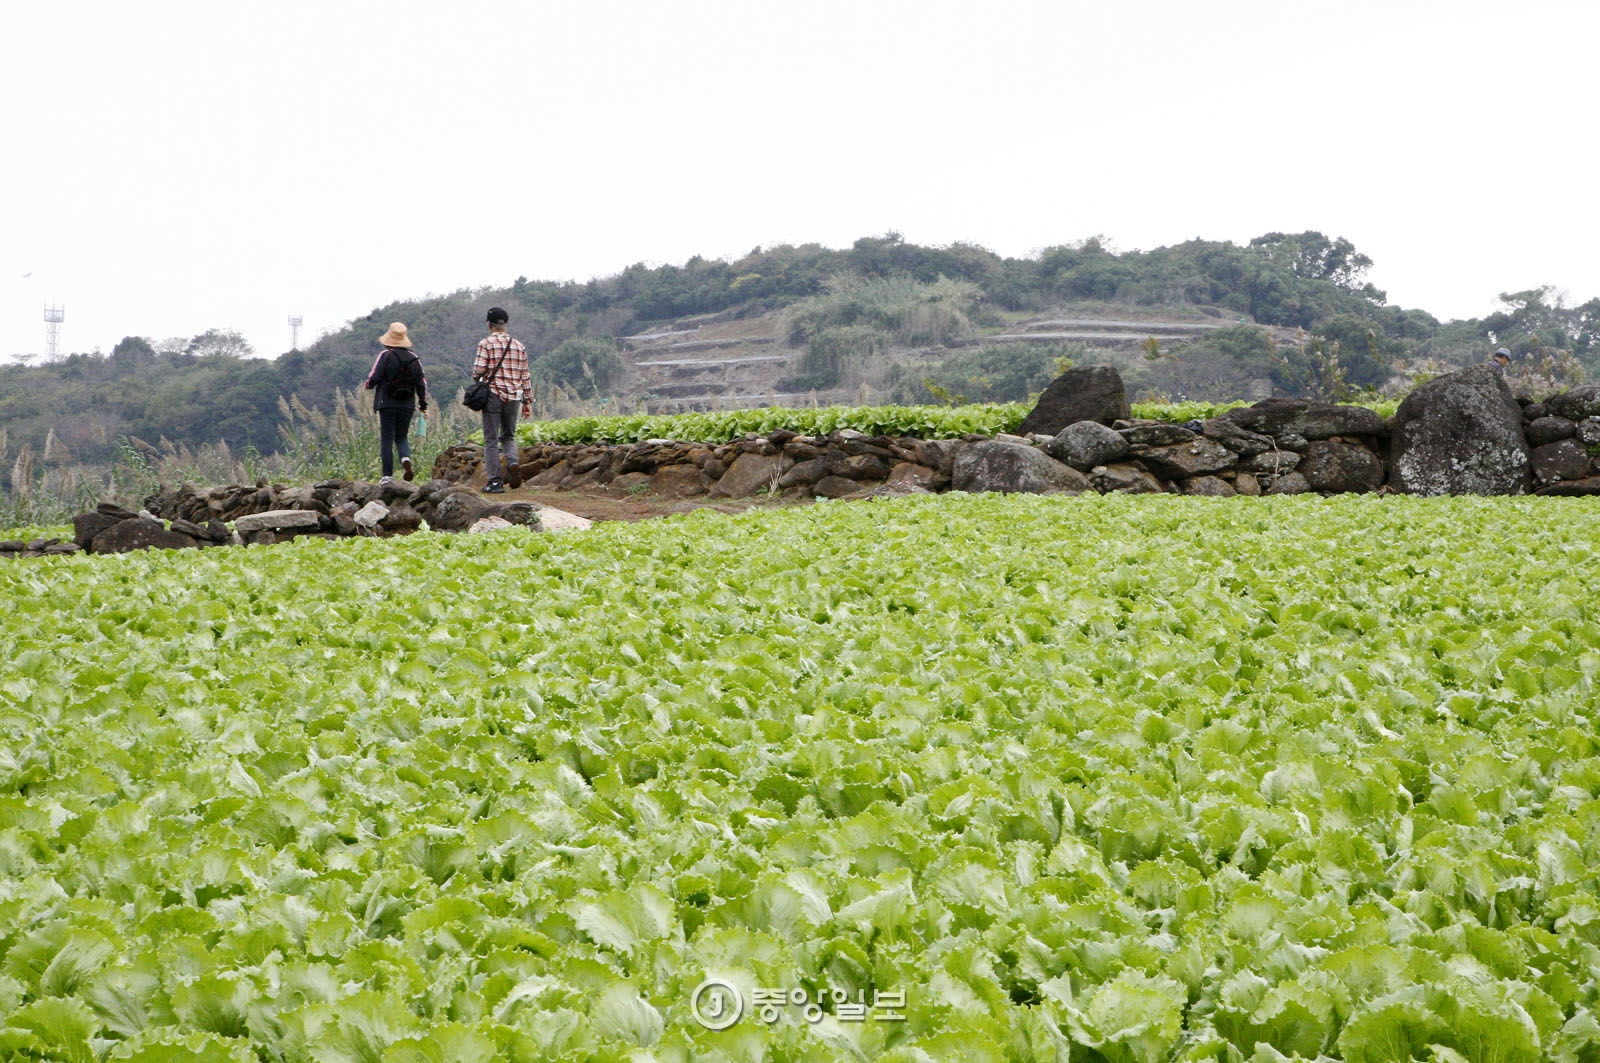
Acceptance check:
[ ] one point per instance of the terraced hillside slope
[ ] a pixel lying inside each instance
(720, 361)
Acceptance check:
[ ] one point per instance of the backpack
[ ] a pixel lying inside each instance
(401, 377)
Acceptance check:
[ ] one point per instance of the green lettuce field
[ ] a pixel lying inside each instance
(946, 777)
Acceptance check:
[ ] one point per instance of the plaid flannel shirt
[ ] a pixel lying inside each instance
(512, 377)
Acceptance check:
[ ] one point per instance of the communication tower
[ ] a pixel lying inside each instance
(54, 314)
(295, 321)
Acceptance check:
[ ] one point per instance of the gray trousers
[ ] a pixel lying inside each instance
(499, 436)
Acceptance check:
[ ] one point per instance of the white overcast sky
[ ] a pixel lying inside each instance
(172, 167)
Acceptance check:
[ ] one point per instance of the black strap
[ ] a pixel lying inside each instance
(391, 361)
(504, 351)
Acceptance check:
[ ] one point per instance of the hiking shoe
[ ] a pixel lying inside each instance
(514, 477)
(405, 466)
(496, 486)
(387, 481)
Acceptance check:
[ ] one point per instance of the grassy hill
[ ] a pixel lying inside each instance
(882, 321)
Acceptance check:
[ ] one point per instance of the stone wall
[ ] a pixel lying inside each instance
(190, 517)
(1280, 446)
(782, 462)
(1465, 433)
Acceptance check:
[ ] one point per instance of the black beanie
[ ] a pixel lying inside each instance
(498, 316)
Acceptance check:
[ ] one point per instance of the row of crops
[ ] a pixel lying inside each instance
(976, 777)
(927, 422)
(724, 425)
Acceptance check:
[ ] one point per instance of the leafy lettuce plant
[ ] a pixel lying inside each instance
(1093, 777)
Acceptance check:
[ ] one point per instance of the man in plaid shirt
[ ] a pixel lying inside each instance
(503, 362)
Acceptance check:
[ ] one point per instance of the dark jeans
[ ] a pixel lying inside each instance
(394, 426)
(499, 436)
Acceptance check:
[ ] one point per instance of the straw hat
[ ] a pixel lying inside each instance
(396, 336)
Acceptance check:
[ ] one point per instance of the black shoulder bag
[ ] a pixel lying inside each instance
(476, 397)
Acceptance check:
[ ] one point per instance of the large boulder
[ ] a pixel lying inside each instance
(521, 513)
(906, 472)
(804, 473)
(1543, 430)
(550, 477)
(460, 509)
(1082, 393)
(1180, 461)
(277, 520)
(1309, 420)
(1240, 440)
(835, 487)
(1460, 434)
(1086, 444)
(138, 534)
(1209, 487)
(1272, 462)
(679, 481)
(939, 454)
(855, 466)
(750, 473)
(191, 529)
(1341, 467)
(1157, 435)
(1566, 459)
(1013, 467)
(398, 490)
(1124, 478)
(401, 519)
(367, 517)
(1576, 404)
(85, 526)
(550, 519)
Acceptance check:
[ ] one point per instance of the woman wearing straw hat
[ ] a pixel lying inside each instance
(399, 388)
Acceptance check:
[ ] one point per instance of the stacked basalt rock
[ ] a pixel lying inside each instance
(837, 465)
(1220, 457)
(1563, 433)
(1464, 433)
(41, 547)
(114, 529)
(190, 517)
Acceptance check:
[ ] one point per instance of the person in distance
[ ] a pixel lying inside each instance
(399, 389)
(503, 363)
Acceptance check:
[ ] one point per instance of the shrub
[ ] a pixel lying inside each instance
(589, 365)
(912, 312)
(829, 353)
(993, 372)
